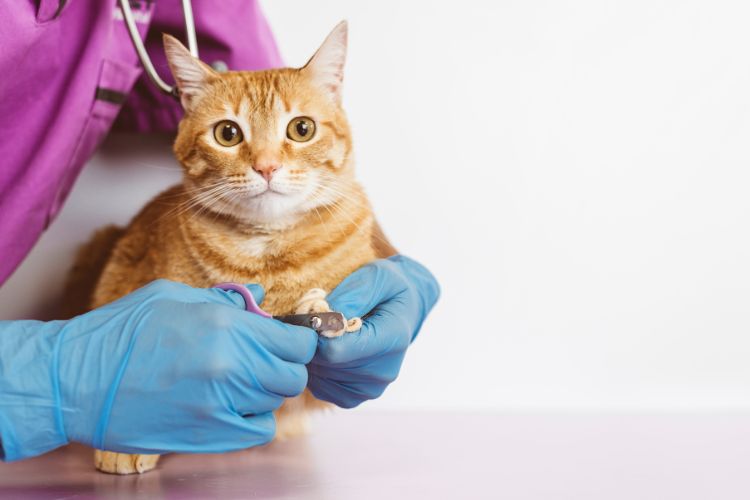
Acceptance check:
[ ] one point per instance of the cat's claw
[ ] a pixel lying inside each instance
(353, 325)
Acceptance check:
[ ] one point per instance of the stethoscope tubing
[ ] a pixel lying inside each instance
(187, 11)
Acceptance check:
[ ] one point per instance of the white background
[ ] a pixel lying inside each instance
(574, 173)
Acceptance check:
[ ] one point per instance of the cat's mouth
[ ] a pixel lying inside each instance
(260, 193)
(269, 191)
(260, 199)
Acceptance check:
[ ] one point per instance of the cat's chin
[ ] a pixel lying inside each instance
(270, 209)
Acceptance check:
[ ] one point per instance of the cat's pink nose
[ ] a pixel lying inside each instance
(266, 169)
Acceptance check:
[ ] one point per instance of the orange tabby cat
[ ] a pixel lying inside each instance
(268, 197)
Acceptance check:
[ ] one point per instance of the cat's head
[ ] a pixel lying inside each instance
(265, 147)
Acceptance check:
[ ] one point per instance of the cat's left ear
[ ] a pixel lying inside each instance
(326, 67)
(191, 75)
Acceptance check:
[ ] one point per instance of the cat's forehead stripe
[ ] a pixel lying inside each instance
(243, 109)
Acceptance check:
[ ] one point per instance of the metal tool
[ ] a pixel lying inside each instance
(320, 322)
(127, 15)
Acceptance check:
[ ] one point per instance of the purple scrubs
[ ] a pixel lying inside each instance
(68, 69)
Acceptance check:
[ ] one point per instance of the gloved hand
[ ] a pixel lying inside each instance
(167, 368)
(393, 297)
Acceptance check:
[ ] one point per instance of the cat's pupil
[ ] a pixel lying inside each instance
(228, 132)
(302, 128)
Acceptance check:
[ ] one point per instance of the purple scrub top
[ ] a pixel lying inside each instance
(68, 69)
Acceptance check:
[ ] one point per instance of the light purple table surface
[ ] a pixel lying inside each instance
(364, 455)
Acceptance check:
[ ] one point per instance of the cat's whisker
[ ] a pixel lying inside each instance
(191, 190)
(177, 210)
(325, 205)
(320, 217)
(197, 191)
(341, 195)
(227, 197)
(344, 214)
(210, 202)
(350, 201)
(336, 205)
(196, 200)
(227, 209)
(201, 208)
(175, 168)
(204, 195)
(207, 203)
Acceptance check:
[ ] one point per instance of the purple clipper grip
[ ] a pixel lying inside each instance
(250, 304)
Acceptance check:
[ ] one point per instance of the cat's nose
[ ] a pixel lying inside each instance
(266, 169)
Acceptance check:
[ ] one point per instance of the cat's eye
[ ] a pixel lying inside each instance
(301, 129)
(227, 133)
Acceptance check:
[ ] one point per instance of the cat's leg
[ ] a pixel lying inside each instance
(291, 419)
(122, 463)
(87, 268)
(292, 416)
(315, 301)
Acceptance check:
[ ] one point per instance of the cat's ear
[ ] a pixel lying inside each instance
(190, 74)
(326, 67)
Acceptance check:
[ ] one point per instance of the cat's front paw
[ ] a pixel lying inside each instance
(314, 301)
(122, 463)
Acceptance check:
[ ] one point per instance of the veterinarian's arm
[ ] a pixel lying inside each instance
(167, 368)
(393, 297)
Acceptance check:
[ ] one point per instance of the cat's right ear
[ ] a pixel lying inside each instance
(326, 67)
(190, 74)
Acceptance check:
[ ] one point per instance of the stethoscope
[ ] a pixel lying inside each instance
(187, 11)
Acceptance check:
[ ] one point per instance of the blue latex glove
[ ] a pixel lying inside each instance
(393, 297)
(168, 368)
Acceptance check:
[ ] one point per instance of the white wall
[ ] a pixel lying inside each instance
(575, 173)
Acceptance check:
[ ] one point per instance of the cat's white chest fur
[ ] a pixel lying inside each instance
(255, 246)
